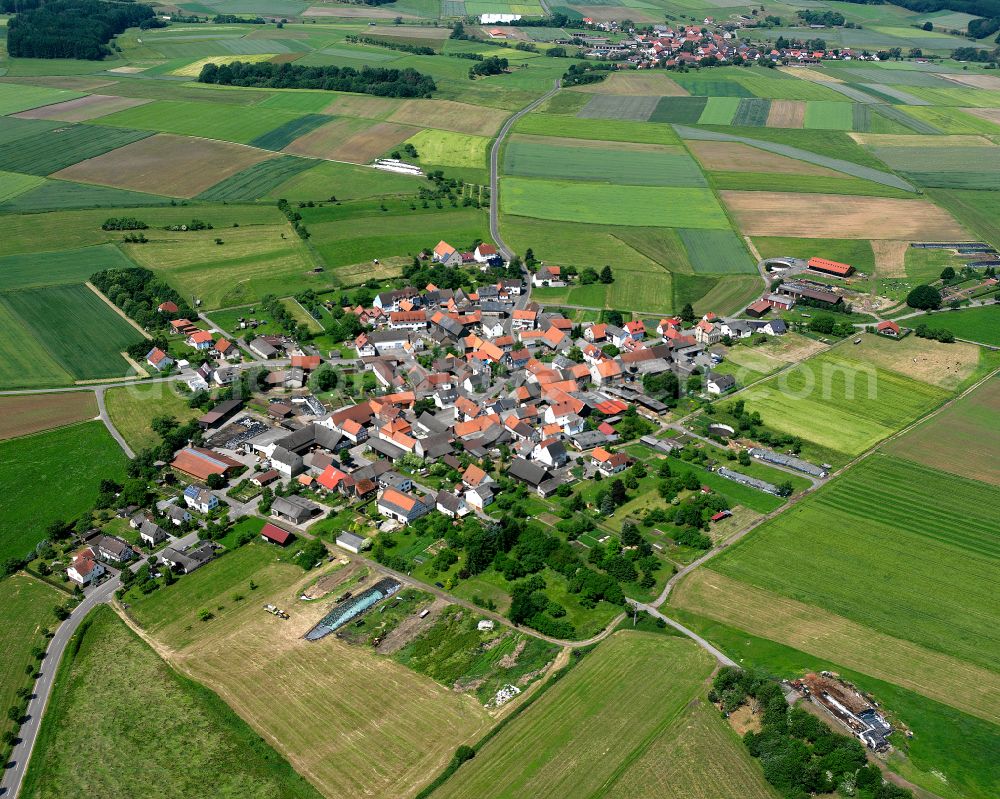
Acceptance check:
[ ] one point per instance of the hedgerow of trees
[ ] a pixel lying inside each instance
(378, 81)
(70, 28)
(138, 292)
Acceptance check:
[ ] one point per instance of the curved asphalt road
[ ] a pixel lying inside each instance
(494, 167)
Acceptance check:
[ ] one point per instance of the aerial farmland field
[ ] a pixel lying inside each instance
(173, 717)
(841, 404)
(24, 414)
(333, 712)
(76, 327)
(895, 522)
(568, 726)
(61, 463)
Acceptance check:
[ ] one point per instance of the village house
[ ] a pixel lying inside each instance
(719, 384)
(548, 276)
(158, 359)
(404, 508)
(200, 498)
(85, 568)
(200, 340)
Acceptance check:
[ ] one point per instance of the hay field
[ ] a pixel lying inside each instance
(596, 129)
(923, 541)
(840, 403)
(698, 757)
(786, 114)
(989, 114)
(890, 257)
(447, 115)
(975, 81)
(360, 105)
(722, 156)
(963, 439)
(577, 737)
(259, 180)
(595, 203)
(645, 84)
(975, 324)
(21, 97)
(23, 415)
(321, 704)
(825, 634)
(944, 365)
(24, 362)
(181, 737)
(450, 149)
(38, 269)
(252, 261)
(717, 252)
(14, 184)
(372, 142)
(324, 140)
(83, 108)
(839, 216)
(178, 166)
(193, 70)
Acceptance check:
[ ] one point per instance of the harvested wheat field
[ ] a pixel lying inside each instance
(786, 114)
(889, 257)
(916, 140)
(324, 140)
(641, 84)
(834, 216)
(827, 635)
(359, 105)
(83, 108)
(326, 705)
(989, 114)
(975, 81)
(722, 156)
(943, 365)
(176, 166)
(446, 115)
(23, 415)
(369, 144)
(809, 74)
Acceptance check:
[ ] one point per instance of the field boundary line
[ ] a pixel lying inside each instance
(117, 310)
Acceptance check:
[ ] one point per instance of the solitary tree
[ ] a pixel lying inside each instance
(687, 313)
(948, 273)
(606, 275)
(924, 297)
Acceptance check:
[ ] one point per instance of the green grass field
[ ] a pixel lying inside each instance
(599, 204)
(613, 165)
(829, 115)
(285, 134)
(345, 182)
(679, 109)
(132, 408)
(13, 184)
(208, 120)
(885, 529)
(975, 324)
(717, 252)
(181, 736)
(78, 329)
(444, 148)
(841, 404)
(27, 611)
(561, 747)
(66, 465)
(20, 97)
(36, 270)
(979, 211)
(56, 195)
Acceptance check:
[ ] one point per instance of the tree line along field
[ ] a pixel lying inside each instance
(181, 736)
(67, 463)
(885, 529)
(593, 734)
(322, 704)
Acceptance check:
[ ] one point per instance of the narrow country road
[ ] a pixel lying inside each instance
(103, 410)
(13, 776)
(505, 251)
